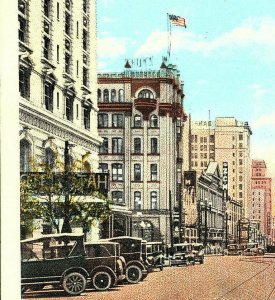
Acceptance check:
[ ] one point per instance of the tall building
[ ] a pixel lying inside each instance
(58, 81)
(257, 207)
(140, 120)
(262, 185)
(225, 140)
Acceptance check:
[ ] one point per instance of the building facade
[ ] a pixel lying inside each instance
(232, 219)
(140, 120)
(259, 182)
(57, 82)
(225, 140)
(257, 207)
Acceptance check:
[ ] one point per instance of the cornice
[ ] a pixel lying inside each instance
(52, 126)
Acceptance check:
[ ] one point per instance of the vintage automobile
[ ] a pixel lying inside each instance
(235, 249)
(198, 252)
(181, 254)
(253, 249)
(113, 271)
(131, 249)
(42, 263)
(155, 254)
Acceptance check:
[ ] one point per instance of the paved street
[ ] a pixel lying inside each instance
(248, 278)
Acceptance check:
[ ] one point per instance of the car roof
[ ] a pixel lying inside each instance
(182, 244)
(56, 235)
(197, 244)
(154, 243)
(125, 237)
(101, 242)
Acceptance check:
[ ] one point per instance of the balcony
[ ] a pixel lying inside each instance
(145, 106)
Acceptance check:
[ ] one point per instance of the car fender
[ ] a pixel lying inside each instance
(136, 263)
(75, 269)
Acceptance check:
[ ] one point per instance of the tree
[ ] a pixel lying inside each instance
(55, 191)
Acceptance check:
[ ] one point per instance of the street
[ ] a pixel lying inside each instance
(220, 277)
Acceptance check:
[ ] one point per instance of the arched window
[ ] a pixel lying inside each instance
(137, 200)
(50, 158)
(106, 95)
(137, 121)
(121, 96)
(154, 121)
(25, 153)
(146, 94)
(113, 95)
(154, 200)
(137, 172)
(99, 99)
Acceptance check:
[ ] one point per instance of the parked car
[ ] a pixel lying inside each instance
(155, 254)
(131, 250)
(253, 249)
(236, 249)
(105, 265)
(181, 254)
(56, 260)
(198, 252)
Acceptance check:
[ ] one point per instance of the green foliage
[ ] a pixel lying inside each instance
(63, 195)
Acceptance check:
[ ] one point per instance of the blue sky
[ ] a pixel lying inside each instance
(226, 56)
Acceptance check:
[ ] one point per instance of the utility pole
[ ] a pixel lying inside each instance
(226, 230)
(205, 225)
(66, 224)
(171, 220)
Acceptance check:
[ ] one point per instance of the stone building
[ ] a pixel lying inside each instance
(261, 185)
(232, 219)
(140, 121)
(58, 81)
(225, 140)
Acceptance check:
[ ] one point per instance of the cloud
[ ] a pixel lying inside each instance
(265, 120)
(258, 35)
(111, 47)
(259, 91)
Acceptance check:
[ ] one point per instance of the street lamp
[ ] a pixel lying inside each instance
(205, 205)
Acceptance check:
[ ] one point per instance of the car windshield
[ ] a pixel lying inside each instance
(96, 250)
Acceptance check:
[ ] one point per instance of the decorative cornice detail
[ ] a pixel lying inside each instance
(52, 127)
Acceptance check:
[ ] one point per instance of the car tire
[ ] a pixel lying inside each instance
(74, 283)
(102, 281)
(133, 274)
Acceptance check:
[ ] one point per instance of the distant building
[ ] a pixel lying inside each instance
(58, 82)
(257, 207)
(259, 181)
(225, 140)
(140, 120)
(234, 215)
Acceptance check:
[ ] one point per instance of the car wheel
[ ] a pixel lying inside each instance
(74, 283)
(133, 274)
(102, 281)
(161, 267)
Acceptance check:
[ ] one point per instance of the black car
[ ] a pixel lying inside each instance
(155, 254)
(56, 260)
(131, 249)
(181, 254)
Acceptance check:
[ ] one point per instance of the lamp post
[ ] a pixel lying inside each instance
(205, 204)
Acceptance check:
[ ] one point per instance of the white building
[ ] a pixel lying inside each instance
(57, 81)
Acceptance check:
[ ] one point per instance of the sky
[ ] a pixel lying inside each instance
(226, 56)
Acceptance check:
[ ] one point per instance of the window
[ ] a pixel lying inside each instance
(102, 120)
(67, 63)
(85, 6)
(99, 95)
(77, 29)
(67, 23)
(103, 168)
(117, 197)
(106, 95)
(240, 161)
(24, 82)
(117, 145)
(77, 111)
(121, 95)
(145, 94)
(240, 194)
(104, 146)
(25, 155)
(154, 200)
(69, 108)
(240, 137)
(85, 21)
(57, 100)
(137, 145)
(86, 112)
(137, 172)
(137, 200)
(113, 95)
(85, 76)
(46, 47)
(154, 121)
(22, 31)
(85, 39)
(212, 138)
(117, 174)
(49, 157)
(57, 54)
(137, 121)
(57, 11)
(154, 145)
(47, 8)
(48, 96)
(154, 172)
(77, 68)
(117, 120)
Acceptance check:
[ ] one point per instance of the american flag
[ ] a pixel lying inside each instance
(177, 20)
